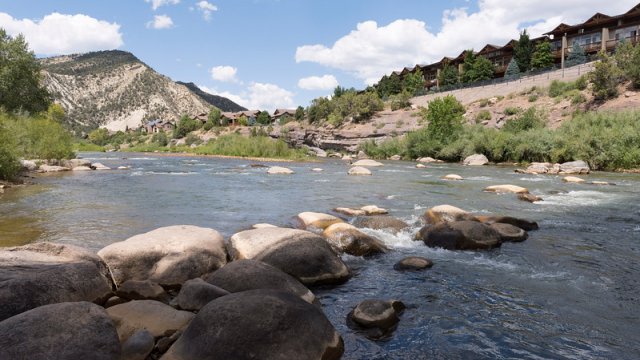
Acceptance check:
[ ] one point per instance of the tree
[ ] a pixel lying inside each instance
(513, 71)
(55, 112)
(263, 118)
(214, 115)
(542, 57)
(605, 78)
(299, 113)
(448, 75)
(339, 91)
(413, 82)
(522, 52)
(389, 85)
(445, 117)
(99, 136)
(468, 72)
(577, 55)
(185, 126)
(627, 57)
(483, 69)
(160, 138)
(20, 87)
(9, 164)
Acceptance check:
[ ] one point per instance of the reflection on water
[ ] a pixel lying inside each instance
(570, 291)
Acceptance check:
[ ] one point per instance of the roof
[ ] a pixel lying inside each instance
(284, 111)
(229, 115)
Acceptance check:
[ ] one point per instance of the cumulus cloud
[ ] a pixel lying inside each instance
(155, 4)
(370, 51)
(259, 96)
(57, 34)
(160, 22)
(224, 73)
(206, 8)
(325, 82)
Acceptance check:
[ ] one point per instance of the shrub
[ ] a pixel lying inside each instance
(9, 164)
(160, 138)
(400, 101)
(512, 111)
(185, 126)
(483, 115)
(605, 78)
(445, 118)
(208, 125)
(483, 102)
(576, 97)
(192, 139)
(533, 97)
(530, 119)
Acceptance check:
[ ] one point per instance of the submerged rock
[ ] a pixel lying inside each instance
(264, 324)
(155, 317)
(529, 197)
(348, 239)
(476, 160)
(64, 331)
(377, 316)
(413, 263)
(301, 254)
(524, 224)
(460, 235)
(380, 222)
(168, 256)
(244, 275)
(46, 273)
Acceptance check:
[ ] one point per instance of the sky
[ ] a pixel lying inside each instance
(268, 54)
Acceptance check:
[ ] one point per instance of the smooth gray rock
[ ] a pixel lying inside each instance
(413, 263)
(476, 160)
(168, 256)
(138, 346)
(380, 222)
(346, 238)
(378, 317)
(197, 293)
(575, 167)
(244, 275)
(156, 317)
(460, 235)
(64, 331)
(510, 233)
(524, 224)
(264, 324)
(141, 290)
(46, 273)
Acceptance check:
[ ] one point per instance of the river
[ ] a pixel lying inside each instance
(572, 290)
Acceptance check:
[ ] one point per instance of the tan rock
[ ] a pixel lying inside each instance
(52, 168)
(428, 159)
(349, 211)
(262, 226)
(348, 239)
(81, 168)
(317, 170)
(507, 189)
(573, 179)
(359, 170)
(420, 166)
(452, 177)
(374, 210)
(529, 197)
(278, 170)
(367, 162)
(157, 318)
(445, 213)
(476, 160)
(100, 166)
(313, 220)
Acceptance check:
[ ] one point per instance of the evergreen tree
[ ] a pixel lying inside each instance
(413, 82)
(299, 113)
(542, 57)
(263, 118)
(522, 52)
(483, 69)
(577, 55)
(214, 115)
(448, 75)
(468, 71)
(513, 71)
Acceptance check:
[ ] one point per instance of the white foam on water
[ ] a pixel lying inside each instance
(419, 207)
(395, 171)
(535, 179)
(322, 180)
(391, 197)
(580, 198)
(490, 263)
(479, 178)
(177, 173)
(142, 158)
(103, 158)
(637, 228)
(426, 175)
(403, 239)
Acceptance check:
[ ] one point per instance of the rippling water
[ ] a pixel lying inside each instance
(570, 291)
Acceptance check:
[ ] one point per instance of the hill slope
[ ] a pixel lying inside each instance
(220, 102)
(116, 90)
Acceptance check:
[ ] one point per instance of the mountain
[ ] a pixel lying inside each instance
(220, 102)
(116, 90)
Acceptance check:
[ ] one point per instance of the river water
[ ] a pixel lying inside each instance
(572, 290)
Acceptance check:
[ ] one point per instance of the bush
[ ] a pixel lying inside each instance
(530, 119)
(605, 78)
(185, 126)
(445, 118)
(400, 101)
(533, 97)
(192, 139)
(160, 138)
(9, 164)
(512, 111)
(384, 150)
(238, 145)
(483, 115)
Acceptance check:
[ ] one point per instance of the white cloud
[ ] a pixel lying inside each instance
(206, 8)
(57, 34)
(259, 96)
(371, 51)
(224, 73)
(160, 22)
(325, 82)
(155, 4)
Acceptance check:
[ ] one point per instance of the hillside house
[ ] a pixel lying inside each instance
(229, 117)
(154, 126)
(202, 117)
(280, 113)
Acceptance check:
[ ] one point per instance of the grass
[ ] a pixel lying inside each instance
(83, 146)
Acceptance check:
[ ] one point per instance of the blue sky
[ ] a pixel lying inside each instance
(283, 53)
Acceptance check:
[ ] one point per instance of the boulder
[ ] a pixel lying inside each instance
(113, 301)
(74, 163)
(279, 170)
(46, 273)
(460, 235)
(523, 224)
(314, 221)
(348, 239)
(262, 226)
(574, 167)
(100, 166)
(28, 165)
(138, 346)
(141, 290)
(420, 166)
(378, 316)
(374, 210)
(64, 331)
(196, 293)
(359, 170)
(506, 189)
(445, 213)
(413, 263)
(347, 158)
(510, 233)
(367, 163)
(81, 168)
(350, 211)
(123, 168)
(395, 157)
(428, 160)
(538, 168)
(573, 179)
(380, 222)
(529, 197)
(476, 160)
(244, 275)
(301, 254)
(264, 324)
(168, 256)
(452, 177)
(155, 317)
(52, 168)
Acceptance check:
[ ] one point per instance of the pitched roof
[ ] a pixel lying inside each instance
(284, 111)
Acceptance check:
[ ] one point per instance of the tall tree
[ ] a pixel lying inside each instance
(522, 52)
(468, 71)
(448, 75)
(577, 55)
(513, 71)
(413, 82)
(542, 58)
(263, 118)
(299, 113)
(483, 69)
(20, 88)
(214, 115)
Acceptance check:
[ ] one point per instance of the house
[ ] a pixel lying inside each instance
(228, 117)
(202, 117)
(154, 126)
(279, 113)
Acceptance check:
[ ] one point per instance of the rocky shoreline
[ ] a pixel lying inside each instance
(185, 292)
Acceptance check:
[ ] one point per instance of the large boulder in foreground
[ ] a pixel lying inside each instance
(380, 222)
(574, 167)
(476, 160)
(460, 235)
(64, 331)
(346, 238)
(155, 317)
(446, 213)
(168, 256)
(301, 254)
(245, 275)
(379, 317)
(264, 324)
(46, 273)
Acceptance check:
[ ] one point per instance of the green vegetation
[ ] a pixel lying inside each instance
(264, 118)
(413, 83)
(400, 101)
(523, 52)
(483, 115)
(389, 85)
(237, 145)
(542, 57)
(476, 68)
(577, 55)
(349, 104)
(627, 58)
(513, 71)
(448, 75)
(160, 138)
(561, 88)
(512, 111)
(299, 113)
(605, 78)
(185, 126)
